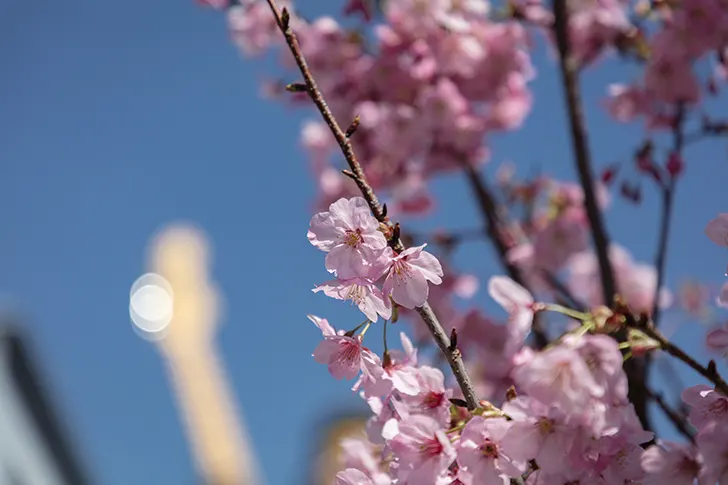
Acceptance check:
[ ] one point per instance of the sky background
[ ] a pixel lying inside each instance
(117, 118)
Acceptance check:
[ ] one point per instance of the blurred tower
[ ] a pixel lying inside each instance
(327, 462)
(215, 427)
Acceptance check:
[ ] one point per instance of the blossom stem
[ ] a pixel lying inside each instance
(552, 307)
(363, 332)
(384, 337)
(351, 332)
(453, 356)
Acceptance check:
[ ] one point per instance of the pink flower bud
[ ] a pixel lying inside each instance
(675, 165)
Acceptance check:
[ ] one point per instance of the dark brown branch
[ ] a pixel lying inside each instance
(494, 225)
(668, 196)
(675, 418)
(454, 358)
(709, 372)
(569, 76)
(636, 369)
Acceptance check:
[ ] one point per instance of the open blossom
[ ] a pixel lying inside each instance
(560, 376)
(360, 454)
(363, 293)
(539, 432)
(377, 379)
(432, 398)
(342, 354)
(518, 302)
(352, 476)
(723, 296)
(422, 450)
(635, 281)
(707, 405)
(713, 444)
(717, 230)
(408, 276)
(351, 236)
(480, 452)
(717, 339)
(604, 360)
(669, 463)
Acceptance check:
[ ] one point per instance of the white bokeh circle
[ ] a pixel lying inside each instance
(151, 306)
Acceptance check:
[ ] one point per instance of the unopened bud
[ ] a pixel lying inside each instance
(285, 19)
(609, 173)
(296, 88)
(353, 126)
(641, 343)
(604, 321)
(632, 193)
(675, 165)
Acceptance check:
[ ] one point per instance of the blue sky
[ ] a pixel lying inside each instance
(120, 117)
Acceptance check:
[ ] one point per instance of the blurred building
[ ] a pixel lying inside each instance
(327, 461)
(34, 448)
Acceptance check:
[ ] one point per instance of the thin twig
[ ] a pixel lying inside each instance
(494, 225)
(454, 358)
(674, 416)
(668, 196)
(709, 372)
(569, 69)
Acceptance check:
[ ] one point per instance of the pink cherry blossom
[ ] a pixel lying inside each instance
(669, 463)
(342, 354)
(480, 453)
(360, 454)
(432, 398)
(707, 405)
(723, 296)
(559, 375)
(352, 476)
(604, 360)
(422, 450)
(539, 432)
(717, 339)
(518, 302)
(408, 276)
(713, 444)
(717, 230)
(363, 293)
(351, 236)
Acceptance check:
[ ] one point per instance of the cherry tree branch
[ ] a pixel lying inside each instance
(636, 369)
(709, 372)
(356, 173)
(569, 75)
(668, 196)
(674, 416)
(494, 225)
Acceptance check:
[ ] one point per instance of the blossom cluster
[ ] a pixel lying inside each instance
(359, 256)
(431, 81)
(566, 418)
(428, 83)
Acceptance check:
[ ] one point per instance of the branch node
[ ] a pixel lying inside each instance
(353, 126)
(453, 340)
(285, 19)
(351, 175)
(296, 88)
